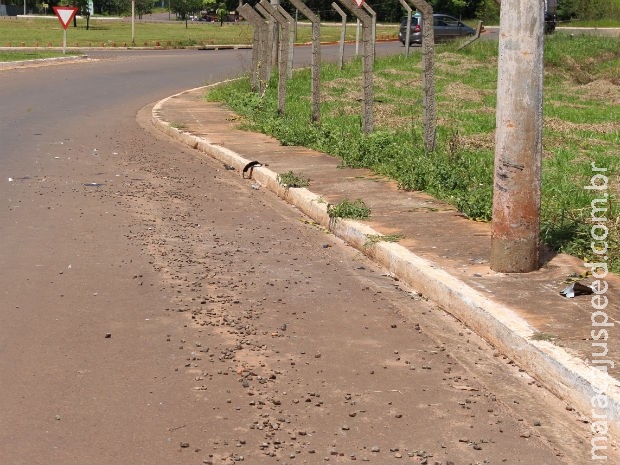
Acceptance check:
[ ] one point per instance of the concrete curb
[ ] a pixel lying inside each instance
(568, 377)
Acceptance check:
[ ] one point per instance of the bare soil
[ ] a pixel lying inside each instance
(184, 315)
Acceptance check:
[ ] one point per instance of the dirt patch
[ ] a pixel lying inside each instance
(463, 93)
(601, 89)
(560, 125)
(454, 63)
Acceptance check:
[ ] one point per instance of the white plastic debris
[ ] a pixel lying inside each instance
(576, 288)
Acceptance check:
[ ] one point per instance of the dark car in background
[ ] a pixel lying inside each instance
(551, 18)
(446, 27)
(550, 22)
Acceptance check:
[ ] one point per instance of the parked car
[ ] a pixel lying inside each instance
(445, 27)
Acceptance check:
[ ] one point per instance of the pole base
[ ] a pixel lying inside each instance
(514, 255)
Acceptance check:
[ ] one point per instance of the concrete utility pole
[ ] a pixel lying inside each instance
(518, 140)
(367, 64)
(428, 73)
(316, 58)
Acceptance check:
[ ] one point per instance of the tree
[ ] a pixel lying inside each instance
(488, 11)
(144, 7)
(588, 9)
(84, 10)
(460, 8)
(209, 5)
(184, 8)
(113, 7)
(221, 13)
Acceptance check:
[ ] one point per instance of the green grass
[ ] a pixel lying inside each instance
(581, 125)
(110, 33)
(21, 56)
(40, 32)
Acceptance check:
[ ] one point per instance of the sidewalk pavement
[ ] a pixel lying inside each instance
(442, 255)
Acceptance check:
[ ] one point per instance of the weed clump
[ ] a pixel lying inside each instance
(292, 179)
(353, 209)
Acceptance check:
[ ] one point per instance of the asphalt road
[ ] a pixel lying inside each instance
(157, 309)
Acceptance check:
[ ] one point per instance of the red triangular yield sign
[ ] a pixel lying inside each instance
(359, 3)
(65, 14)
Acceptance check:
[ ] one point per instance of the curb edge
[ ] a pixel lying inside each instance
(566, 376)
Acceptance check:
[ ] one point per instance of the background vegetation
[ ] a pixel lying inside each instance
(387, 10)
(582, 124)
(105, 32)
(600, 13)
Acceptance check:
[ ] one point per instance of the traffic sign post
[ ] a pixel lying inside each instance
(65, 16)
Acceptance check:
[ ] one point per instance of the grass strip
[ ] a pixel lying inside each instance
(581, 126)
(47, 32)
(37, 55)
